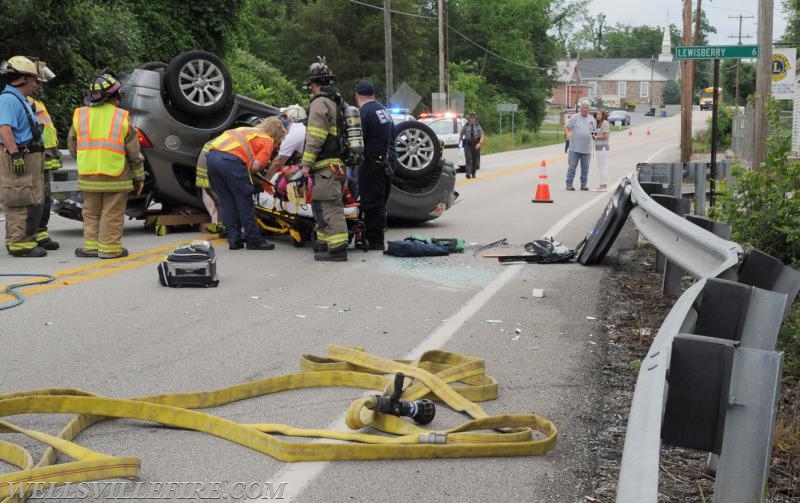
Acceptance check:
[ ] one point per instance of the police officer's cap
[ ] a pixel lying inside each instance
(365, 88)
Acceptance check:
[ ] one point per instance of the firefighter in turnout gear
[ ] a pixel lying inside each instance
(21, 157)
(52, 160)
(322, 158)
(110, 165)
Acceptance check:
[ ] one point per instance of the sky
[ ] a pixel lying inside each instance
(657, 12)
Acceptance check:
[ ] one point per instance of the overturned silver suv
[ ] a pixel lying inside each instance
(178, 107)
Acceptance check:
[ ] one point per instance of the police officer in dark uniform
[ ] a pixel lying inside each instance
(375, 174)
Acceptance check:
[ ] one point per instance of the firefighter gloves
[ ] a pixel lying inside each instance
(18, 163)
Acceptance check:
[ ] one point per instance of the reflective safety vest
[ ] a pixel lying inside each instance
(234, 138)
(100, 133)
(49, 134)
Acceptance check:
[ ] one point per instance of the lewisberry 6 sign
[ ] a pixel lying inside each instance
(716, 51)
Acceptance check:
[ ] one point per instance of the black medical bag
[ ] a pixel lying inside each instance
(194, 264)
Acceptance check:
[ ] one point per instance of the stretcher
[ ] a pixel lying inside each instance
(282, 208)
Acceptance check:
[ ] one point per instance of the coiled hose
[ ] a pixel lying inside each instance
(18, 297)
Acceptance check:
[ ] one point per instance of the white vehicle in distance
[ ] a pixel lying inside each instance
(401, 115)
(447, 127)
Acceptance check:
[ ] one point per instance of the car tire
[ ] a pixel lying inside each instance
(198, 82)
(418, 150)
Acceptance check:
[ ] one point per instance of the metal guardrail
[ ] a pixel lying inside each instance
(65, 179)
(674, 175)
(710, 380)
(695, 250)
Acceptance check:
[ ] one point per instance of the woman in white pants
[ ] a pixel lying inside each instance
(601, 147)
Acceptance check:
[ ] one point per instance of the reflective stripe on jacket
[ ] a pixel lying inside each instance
(201, 180)
(322, 131)
(100, 133)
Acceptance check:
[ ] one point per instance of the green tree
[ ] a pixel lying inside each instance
(479, 95)
(261, 81)
(566, 18)
(510, 45)
(792, 10)
(173, 27)
(747, 81)
(672, 93)
(703, 69)
(82, 38)
(624, 41)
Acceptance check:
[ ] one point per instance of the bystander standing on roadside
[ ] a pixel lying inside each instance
(601, 147)
(580, 126)
(375, 173)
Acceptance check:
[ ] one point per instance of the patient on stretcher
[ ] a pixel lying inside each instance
(288, 191)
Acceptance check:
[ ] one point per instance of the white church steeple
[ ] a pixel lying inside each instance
(666, 47)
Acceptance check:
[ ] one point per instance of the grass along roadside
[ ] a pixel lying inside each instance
(550, 134)
(521, 140)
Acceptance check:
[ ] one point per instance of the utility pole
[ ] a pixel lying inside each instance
(763, 80)
(387, 42)
(698, 12)
(441, 47)
(739, 61)
(687, 71)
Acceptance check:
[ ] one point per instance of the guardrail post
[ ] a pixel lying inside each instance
(676, 179)
(653, 188)
(764, 271)
(746, 451)
(699, 379)
(717, 228)
(672, 273)
(700, 176)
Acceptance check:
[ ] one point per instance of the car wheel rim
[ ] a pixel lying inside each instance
(415, 149)
(201, 82)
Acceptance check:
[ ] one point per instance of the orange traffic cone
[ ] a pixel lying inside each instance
(630, 132)
(543, 189)
(648, 131)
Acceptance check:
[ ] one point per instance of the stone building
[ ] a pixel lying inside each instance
(616, 82)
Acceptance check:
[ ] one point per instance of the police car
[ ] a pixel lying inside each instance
(447, 127)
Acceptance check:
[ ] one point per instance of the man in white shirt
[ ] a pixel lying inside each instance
(580, 129)
(292, 145)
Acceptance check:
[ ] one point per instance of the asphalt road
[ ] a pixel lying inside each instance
(110, 328)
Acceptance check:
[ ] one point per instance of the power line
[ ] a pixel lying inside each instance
(494, 53)
(411, 14)
(432, 18)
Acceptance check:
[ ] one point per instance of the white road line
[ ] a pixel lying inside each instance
(299, 475)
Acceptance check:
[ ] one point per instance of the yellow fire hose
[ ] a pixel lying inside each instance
(455, 380)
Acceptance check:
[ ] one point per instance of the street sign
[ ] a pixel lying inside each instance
(507, 107)
(716, 51)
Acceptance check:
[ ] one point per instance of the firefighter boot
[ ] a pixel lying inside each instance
(332, 255)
